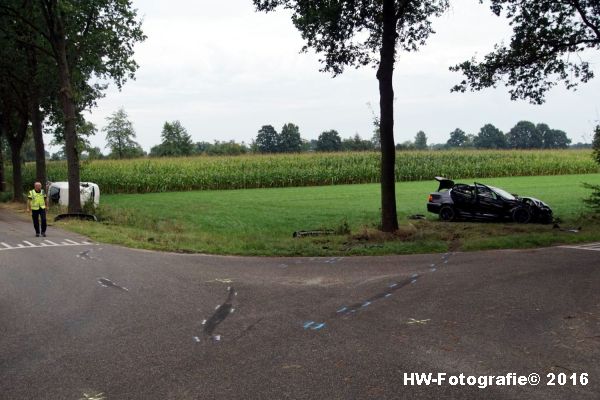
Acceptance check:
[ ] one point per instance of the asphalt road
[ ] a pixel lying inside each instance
(80, 320)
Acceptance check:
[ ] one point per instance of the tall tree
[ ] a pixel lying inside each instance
(490, 137)
(552, 138)
(358, 33)
(14, 96)
(356, 143)
(329, 141)
(524, 135)
(2, 184)
(596, 144)
(267, 140)
(594, 200)
(92, 153)
(406, 145)
(176, 141)
(230, 148)
(85, 39)
(376, 139)
(120, 135)
(85, 129)
(547, 45)
(28, 149)
(14, 121)
(42, 88)
(458, 138)
(421, 141)
(22, 60)
(289, 139)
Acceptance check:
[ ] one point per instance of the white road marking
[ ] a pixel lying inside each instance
(589, 246)
(25, 244)
(412, 321)
(97, 396)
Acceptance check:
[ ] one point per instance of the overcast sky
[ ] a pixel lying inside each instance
(224, 70)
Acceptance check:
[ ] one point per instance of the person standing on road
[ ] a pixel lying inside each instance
(37, 202)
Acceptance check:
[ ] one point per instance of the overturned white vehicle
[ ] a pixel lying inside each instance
(58, 193)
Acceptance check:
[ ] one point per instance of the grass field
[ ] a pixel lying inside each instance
(261, 221)
(313, 169)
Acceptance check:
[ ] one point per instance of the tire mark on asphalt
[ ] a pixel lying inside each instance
(85, 255)
(221, 312)
(104, 282)
(352, 309)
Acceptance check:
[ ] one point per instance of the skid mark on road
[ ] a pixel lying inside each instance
(26, 244)
(104, 282)
(389, 291)
(352, 309)
(221, 312)
(86, 255)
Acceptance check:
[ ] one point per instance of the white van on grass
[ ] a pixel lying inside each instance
(58, 193)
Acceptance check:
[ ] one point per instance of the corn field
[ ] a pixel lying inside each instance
(312, 169)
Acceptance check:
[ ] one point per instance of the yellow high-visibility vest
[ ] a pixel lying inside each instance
(37, 199)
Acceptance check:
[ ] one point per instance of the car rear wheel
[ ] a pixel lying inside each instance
(447, 213)
(521, 215)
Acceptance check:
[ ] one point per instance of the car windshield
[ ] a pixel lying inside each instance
(503, 193)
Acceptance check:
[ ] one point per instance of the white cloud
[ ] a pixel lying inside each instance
(225, 70)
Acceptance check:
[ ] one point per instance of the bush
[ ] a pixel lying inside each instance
(594, 200)
(596, 145)
(5, 197)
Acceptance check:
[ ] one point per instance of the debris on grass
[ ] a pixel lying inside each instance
(300, 234)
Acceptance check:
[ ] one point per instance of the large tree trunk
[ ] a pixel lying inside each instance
(68, 106)
(385, 73)
(58, 40)
(17, 173)
(16, 140)
(2, 184)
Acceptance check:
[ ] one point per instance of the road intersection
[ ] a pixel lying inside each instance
(81, 320)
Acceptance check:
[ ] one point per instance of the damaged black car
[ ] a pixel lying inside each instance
(482, 202)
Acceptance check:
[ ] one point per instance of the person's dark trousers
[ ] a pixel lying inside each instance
(35, 214)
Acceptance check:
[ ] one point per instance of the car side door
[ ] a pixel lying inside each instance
(463, 197)
(488, 202)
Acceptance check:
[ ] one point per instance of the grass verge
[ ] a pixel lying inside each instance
(262, 221)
